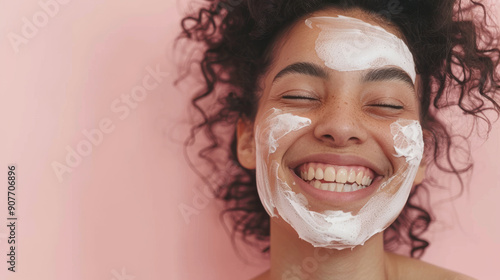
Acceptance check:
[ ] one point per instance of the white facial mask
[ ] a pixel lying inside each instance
(350, 44)
(332, 228)
(278, 127)
(344, 44)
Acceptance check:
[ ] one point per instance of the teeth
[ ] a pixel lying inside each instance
(310, 174)
(329, 174)
(359, 178)
(336, 187)
(318, 174)
(352, 177)
(342, 176)
(317, 184)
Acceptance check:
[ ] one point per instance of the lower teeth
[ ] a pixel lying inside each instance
(336, 187)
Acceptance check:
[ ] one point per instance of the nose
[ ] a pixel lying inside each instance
(340, 124)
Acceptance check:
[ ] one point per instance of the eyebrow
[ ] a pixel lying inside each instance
(304, 68)
(373, 75)
(388, 74)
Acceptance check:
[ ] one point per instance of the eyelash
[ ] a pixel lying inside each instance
(392, 106)
(297, 97)
(396, 107)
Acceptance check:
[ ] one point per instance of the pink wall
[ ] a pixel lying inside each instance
(114, 211)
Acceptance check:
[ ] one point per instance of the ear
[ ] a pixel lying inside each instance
(245, 147)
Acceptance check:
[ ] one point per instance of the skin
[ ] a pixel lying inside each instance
(345, 120)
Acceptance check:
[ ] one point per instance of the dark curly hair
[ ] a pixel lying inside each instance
(456, 54)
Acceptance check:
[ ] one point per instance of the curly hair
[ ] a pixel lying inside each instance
(456, 55)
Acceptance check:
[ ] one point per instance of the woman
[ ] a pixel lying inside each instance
(329, 104)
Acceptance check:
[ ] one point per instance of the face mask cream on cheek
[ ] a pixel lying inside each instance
(350, 44)
(274, 128)
(335, 228)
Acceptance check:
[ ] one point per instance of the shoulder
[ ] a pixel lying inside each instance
(408, 268)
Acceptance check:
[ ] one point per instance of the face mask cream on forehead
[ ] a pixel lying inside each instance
(350, 44)
(336, 228)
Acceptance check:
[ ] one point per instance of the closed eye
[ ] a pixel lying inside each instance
(392, 106)
(294, 97)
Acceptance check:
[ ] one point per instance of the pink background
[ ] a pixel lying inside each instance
(116, 214)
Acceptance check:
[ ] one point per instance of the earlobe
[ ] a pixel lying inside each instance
(245, 147)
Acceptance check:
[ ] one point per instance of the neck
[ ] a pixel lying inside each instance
(294, 258)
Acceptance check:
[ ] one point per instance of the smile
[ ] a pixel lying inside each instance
(335, 178)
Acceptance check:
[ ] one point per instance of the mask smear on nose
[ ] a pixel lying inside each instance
(335, 228)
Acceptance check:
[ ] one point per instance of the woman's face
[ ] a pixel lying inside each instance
(323, 136)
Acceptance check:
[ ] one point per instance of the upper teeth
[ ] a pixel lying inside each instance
(359, 175)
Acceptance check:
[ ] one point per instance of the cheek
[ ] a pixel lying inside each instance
(400, 141)
(277, 131)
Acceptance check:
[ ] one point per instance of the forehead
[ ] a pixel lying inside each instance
(298, 42)
(299, 28)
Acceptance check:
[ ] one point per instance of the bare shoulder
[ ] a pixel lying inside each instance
(408, 268)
